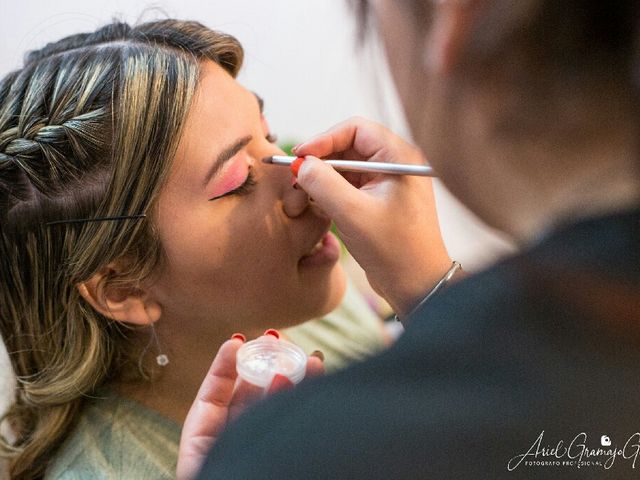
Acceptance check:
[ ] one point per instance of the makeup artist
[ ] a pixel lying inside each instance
(528, 112)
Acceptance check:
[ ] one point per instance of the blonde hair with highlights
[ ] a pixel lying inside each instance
(88, 129)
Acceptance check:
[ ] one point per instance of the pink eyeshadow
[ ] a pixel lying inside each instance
(233, 174)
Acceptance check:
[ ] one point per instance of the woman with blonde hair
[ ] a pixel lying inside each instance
(138, 223)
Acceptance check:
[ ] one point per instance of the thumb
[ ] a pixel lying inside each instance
(330, 190)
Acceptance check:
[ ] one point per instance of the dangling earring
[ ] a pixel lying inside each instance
(161, 359)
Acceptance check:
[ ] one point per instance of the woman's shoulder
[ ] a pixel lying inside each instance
(117, 438)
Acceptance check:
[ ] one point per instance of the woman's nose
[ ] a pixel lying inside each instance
(295, 201)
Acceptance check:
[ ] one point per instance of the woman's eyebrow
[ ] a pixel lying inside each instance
(225, 155)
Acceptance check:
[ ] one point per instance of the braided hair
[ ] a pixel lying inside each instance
(88, 129)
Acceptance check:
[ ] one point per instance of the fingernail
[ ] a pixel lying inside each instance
(295, 165)
(272, 332)
(319, 354)
(240, 337)
(279, 382)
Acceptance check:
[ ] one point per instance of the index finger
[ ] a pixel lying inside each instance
(209, 413)
(362, 136)
(210, 410)
(221, 377)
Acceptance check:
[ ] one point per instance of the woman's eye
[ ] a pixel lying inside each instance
(244, 189)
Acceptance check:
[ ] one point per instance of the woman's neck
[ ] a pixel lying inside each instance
(173, 387)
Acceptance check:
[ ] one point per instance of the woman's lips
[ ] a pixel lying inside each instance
(325, 252)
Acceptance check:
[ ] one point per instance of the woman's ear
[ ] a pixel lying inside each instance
(120, 303)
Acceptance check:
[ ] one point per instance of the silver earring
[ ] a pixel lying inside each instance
(161, 359)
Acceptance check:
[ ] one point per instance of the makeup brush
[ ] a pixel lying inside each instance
(361, 166)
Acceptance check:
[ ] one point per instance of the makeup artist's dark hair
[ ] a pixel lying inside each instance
(569, 36)
(567, 33)
(88, 129)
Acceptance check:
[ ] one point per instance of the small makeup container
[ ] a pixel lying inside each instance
(259, 360)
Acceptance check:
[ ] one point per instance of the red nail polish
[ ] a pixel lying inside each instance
(239, 336)
(318, 354)
(272, 332)
(279, 382)
(295, 165)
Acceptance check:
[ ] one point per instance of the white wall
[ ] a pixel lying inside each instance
(300, 56)
(299, 53)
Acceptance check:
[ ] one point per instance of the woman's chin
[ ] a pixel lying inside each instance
(327, 297)
(321, 298)
(339, 286)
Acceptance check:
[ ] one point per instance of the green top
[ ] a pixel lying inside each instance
(117, 438)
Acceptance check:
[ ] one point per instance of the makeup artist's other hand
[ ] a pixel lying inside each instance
(221, 398)
(388, 222)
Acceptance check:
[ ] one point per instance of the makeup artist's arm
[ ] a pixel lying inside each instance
(388, 222)
(221, 398)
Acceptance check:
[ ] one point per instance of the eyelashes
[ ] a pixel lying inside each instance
(250, 182)
(247, 186)
(244, 189)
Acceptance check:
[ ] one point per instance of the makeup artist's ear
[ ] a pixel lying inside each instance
(449, 31)
(122, 304)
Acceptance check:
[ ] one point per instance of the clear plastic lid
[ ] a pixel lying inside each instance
(259, 360)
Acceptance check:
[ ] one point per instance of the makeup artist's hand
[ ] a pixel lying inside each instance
(221, 398)
(388, 222)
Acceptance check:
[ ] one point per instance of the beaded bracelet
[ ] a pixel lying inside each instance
(455, 266)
